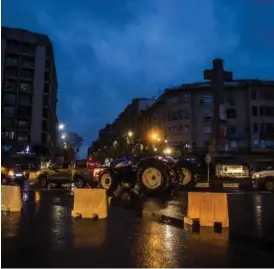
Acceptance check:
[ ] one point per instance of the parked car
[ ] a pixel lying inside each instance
(263, 175)
(12, 175)
(65, 173)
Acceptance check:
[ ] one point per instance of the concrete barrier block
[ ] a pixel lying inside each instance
(194, 201)
(89, 203)
(207, 209)
(221, 209)
(11, 198)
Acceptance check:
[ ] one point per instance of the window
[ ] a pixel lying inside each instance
(207, 99)
(9, 98)
(231, 130)
(207, 129)
(46, 103)
(45, 113)
(47, 76)
(25, 87)
(12, 60)
(253, 94)
(8, 111)
(269, 111)
(44, 138)
(24, 111)
(45, 126)
(261, 110)
(173, 100)
(255, 111)
(12, 71)
(262, 127)
(230, 99)
(27, 62)
(46, 88)
(9, 85)
(8, 135)
(231, 113)
(48, 64)
(22, 138)
(13, 47)
(233, 144)
(28, 49)
(268, 94)
(208, 113)
(25, 100)
(269, 128)
(185, 98)
(23, 124)
(255, 127)
(7, 124)
(26, 74)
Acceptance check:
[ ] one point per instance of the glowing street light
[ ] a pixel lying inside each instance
(166, 141)
(61, 126)
(130, 134)
(63, 136)
(159, 139)
(154, 136)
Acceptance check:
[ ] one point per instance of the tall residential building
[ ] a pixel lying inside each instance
(29, 91)
(183, 116)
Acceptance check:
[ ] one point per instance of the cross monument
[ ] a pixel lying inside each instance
(217, 76)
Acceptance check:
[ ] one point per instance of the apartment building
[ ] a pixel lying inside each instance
(184, 116)
(126, 121)
(29, 91)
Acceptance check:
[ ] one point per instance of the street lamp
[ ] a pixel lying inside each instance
(63, 136)
(130, 133)
(154, 136)
(61, 126)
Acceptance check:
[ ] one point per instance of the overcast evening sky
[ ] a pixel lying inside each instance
(110, 51)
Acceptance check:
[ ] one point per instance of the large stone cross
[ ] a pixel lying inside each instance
(218, 77)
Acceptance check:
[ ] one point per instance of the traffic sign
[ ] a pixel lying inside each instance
(208, 158)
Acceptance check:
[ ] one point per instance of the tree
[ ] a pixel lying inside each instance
(74, 142)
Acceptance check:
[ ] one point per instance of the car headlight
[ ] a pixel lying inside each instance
(11, 173)
(255, 176)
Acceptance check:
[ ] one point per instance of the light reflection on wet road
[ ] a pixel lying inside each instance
(45, 235)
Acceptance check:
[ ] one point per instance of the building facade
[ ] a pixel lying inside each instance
(184, 116)
(29, 91)
(126, 121)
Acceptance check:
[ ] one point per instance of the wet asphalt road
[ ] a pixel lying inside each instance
(133, 235)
